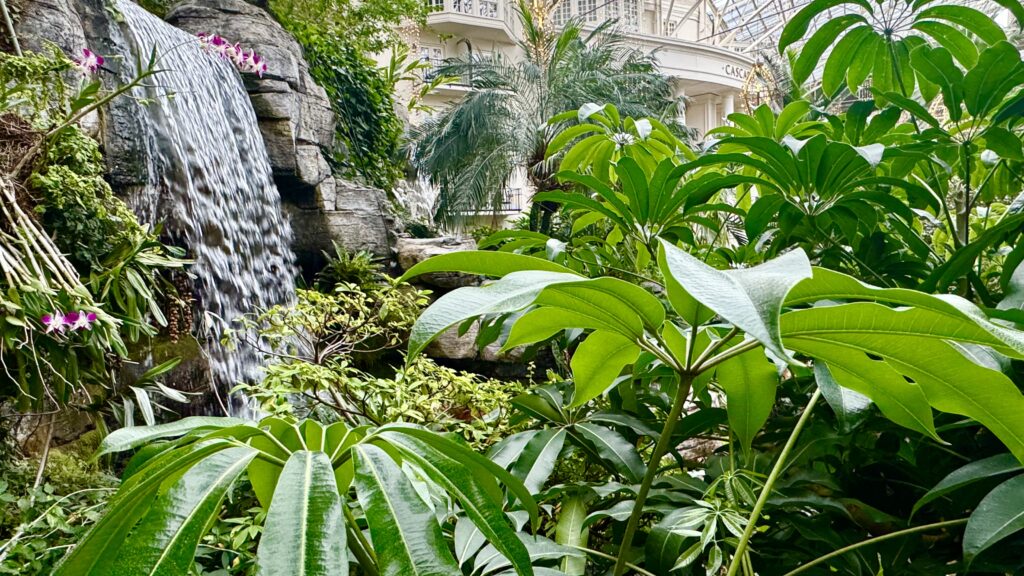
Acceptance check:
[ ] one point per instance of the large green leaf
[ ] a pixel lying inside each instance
(969, 18)
(129, 504)
(484, 263)
(1000, 514)
(688, 308)
(822, 38)
(133, 437)
(999, 70)
(619, 454)
(476, 493)
(304, 533)
(513, 292)
(910, 344)
(406, 537)
(751, 299)
(936, 65)
(537, 460)
(165, 540)
(850, 406)
(798, 24)
(280, 440)
(975, 471)
(625, 307)
(597, 362)
(749, 381)
(482, 467)
(571, 532)
(971, 323)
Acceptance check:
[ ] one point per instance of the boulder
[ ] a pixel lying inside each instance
(412, 251)
(56, 21)
(351, 215)
(450, 346)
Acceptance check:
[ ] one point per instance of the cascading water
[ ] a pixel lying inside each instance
(210, 182)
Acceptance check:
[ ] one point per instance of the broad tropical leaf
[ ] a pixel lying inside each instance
(978, 470)
(850, 407)
(597, 362)
(509, 294)
(406, 536)
(477, 494)
(871, 348)
(1000, 514)
(750, 299)
(484, 263)
(749, 381)
(165, 540)
(304, 534)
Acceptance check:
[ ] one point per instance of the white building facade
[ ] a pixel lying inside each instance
(705, 67)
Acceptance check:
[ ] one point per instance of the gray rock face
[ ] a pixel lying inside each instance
(297, 123)
(294, 113)
(295, 116)
(76, 24)
(55, 21)
(354, 216)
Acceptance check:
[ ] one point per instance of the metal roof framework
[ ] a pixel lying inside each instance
(753, 26)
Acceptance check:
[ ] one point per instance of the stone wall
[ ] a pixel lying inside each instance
(298, 125)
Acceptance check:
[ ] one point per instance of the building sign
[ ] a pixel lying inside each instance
(737, 72)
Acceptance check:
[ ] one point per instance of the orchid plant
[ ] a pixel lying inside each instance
(71, 322)
(88, 63)
(244, 60)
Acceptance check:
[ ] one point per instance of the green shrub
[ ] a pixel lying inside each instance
(368, 129)
(77, 205)
(38, 525)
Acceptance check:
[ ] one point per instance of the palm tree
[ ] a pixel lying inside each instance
(472, 149)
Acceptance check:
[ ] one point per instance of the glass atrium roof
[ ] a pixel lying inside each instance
(755, 25)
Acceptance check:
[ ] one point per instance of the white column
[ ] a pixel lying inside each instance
(711, 119)
(728, 104)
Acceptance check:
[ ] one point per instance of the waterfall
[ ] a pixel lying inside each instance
(210, 182)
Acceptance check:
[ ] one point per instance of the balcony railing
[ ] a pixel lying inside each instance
(493, 9)
(512, 200)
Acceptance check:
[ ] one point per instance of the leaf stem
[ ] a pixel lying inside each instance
(875, 540)
(652, 470)
(780, 465)
(363, 551)
(600, 554)
(727, 354)
(714, 346)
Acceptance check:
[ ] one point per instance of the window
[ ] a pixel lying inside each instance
(587, 9)
(632, 10)
(434, 58)
(670, 27)
(613, 10)
(489, 8)
(563, 11)
(435, 5)
(464, 6)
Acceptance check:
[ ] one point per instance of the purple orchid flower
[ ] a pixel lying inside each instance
(244, 60)
(89, 63)
(83, 320)
(54, 322)
(72, 321)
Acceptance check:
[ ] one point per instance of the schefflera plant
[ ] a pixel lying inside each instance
(907, 351)
(305, 475)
